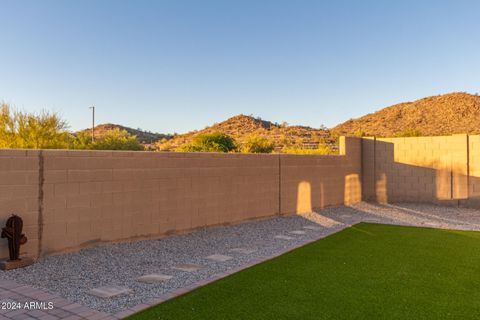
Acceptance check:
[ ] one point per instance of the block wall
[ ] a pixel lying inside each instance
(474, 172)
(417, 169)
(104, 196)
(72, 199)
(315, 182)
(19, 194)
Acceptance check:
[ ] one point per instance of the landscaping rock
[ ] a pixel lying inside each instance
(188, 267)
(219, 257)
(243, 250)
(284, 237)
(109, 292)
(154, 278)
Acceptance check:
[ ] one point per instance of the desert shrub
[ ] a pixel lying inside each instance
(115, 139)
(212, 142)
(7, 128)
(359, 133)
(257, 144)
(321, 150)
(164, 145)
(81, 140)
(42, 130)
(409, 133)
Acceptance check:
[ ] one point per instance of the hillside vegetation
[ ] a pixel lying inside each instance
(144, 137)
(437, 115)
(245, 129)
(47, 130)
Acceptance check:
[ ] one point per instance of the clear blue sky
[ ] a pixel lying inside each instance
(180, 65)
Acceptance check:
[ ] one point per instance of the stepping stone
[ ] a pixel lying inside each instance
(312, 228)
(297, 232)
(109, 292)
(188, 267)
(219, 257)
(154, 278)
(284, 237)
(243, 250)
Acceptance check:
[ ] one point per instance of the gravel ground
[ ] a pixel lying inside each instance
(410, 214)
(73, 275)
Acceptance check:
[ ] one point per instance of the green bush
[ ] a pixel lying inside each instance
(321, 150)
(409, 133)
(256, 144)
(213, 142)
(81, 140)
(114, 139)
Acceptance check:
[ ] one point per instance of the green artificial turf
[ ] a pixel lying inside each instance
(368, 271)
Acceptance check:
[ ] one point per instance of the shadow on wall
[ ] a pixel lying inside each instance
(322, 181)
(425, 169)
(352, 189)
(351, 194)
(439, 170)
(304, 197)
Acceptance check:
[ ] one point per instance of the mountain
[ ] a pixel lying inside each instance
(144, 137)
(241, 126)
(436, 115)
(445, 114)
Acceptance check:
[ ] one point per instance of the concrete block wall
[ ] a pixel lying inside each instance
(473, 171)
(19, 194)
(72, 199)
(315, 182)
(107, 196)
(417, 169)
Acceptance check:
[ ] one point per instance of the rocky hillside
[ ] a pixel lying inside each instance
(437, 115)
(241, 126)
(144, 137)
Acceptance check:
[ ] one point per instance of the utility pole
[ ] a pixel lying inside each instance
(93, 122)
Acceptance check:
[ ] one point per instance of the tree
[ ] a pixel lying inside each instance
(114, 139)
(257, 144)
(7, 128)
(213, 142)
(44, 130)
(117, 139)
(81, 140)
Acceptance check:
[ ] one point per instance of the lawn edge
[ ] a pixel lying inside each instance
(185, 290)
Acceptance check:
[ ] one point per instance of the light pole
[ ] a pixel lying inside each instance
(93, 122)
